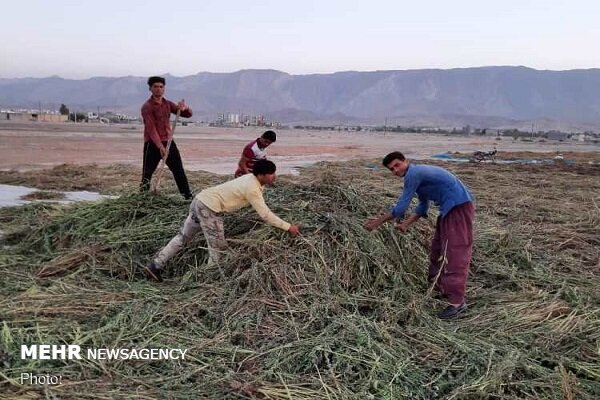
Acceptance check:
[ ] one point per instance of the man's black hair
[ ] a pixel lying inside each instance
(263, 167)
(395, 155)
(269, 135)
(155, 79)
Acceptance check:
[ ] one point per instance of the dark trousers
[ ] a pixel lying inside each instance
(451, 249)
(151, 159)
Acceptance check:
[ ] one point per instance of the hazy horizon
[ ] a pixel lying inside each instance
(306, 74)
(84, 39)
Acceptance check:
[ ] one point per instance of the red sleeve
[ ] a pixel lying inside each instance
(248, 153)
(150, 126)
(185, 113)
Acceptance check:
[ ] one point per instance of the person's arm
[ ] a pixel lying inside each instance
(256, 200)
(373, 223)
(406, 223)
(422, 207)
(243, 164)
(150, 128)
(186, 111)
(246, 159)
(420, 210)
(410, 188)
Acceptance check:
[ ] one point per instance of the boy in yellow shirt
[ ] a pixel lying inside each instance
(208, 207)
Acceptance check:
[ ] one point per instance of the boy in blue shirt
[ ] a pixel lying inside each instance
(452, 244)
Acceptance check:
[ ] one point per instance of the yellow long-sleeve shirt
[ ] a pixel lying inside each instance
(238, 193)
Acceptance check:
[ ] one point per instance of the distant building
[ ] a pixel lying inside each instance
(557, 135)
(233, 119)
(115, 117)
(239, 120)
(491, 132)
(31, 116)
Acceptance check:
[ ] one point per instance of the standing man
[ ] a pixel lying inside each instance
(452, 244)
(255, 150)
(156, 112)
(206, 215)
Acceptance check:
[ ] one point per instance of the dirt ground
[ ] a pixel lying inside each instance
(33, 145)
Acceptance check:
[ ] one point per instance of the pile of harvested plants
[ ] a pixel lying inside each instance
(335, 313)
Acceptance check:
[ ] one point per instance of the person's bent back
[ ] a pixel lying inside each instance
(207, 209)
(243, 191)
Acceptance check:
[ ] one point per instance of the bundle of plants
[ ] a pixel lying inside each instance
(336, 312)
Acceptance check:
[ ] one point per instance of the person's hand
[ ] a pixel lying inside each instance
(182, 106)
(402, 226)
(163, 152)
(372, 224)
(294, 230)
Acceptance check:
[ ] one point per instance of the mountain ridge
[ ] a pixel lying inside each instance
(509, 92)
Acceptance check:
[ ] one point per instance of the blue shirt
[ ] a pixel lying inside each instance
(431, 183)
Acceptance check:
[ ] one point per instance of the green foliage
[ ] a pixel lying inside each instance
(335, 313)
(63, 110)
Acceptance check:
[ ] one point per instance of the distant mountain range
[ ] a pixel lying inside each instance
(479, 96)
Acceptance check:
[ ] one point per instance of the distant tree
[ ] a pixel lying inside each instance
(63, 110)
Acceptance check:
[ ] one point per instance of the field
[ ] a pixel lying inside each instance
(336, 313)
(25, 146)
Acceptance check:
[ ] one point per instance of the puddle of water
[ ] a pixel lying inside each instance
(11, 196)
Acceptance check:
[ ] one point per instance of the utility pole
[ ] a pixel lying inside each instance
(385, 126)
(532, 130)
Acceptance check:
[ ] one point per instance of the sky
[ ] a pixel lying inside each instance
(82, 39)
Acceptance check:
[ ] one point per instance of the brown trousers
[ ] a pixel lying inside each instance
(451, 251)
